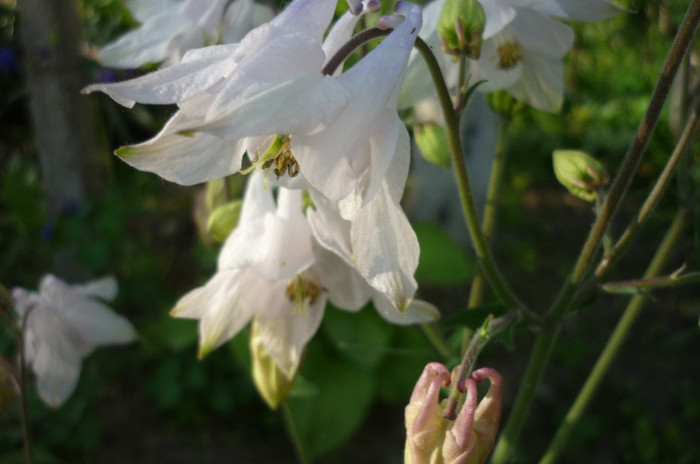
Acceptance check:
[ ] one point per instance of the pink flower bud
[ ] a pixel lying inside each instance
(434, 439)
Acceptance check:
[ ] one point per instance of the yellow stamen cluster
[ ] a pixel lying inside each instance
(284, 161)
(299, 289)
(508, 55)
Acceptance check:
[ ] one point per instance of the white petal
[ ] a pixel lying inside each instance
(540, 34)
(286, 337)
(498, 15)
(186, 159)
(96, 323)
(174, 83)
(386, 248)
(242, 16)
(542, 84)
(346, 288)
(417, 312)
(339, 34)
(220, 307)
(486, 68)
(56, 376)
(149, 43)
(286, 240)
(105, 288)
(289, 106)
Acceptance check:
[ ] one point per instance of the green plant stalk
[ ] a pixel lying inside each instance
(26, 428)
(552, 324)
(435, 338)
(618, 337)
(652, 200)
(488, 265)
(478, 287)
(293, 433)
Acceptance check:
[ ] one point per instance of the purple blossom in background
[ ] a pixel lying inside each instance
(8, 60)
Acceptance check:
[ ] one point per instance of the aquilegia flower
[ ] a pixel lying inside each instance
(521, 53)
(271, 269)
(434, 439)
(169, 28)
(338, 134)
(62, 325)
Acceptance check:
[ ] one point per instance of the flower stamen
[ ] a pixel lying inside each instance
(299, 289)
(508, 56)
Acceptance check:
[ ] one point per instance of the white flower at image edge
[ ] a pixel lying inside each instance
(62, 325)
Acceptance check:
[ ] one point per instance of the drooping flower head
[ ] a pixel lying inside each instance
(62, 324)
(433, 439)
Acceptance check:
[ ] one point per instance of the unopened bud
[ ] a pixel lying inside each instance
(433, 439)
(581, 174)
(461, 26)
(272, 384)
(504, 104)
(224, 219)
(432, 142)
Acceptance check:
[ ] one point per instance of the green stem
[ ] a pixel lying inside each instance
(654, 197)
(618, 337)
(438, 342)
(26, 428)
(293, 433)
(476, 294)
(550, 330)
(488, 265)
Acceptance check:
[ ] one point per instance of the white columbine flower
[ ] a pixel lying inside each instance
(62, 325)
(169, 28)
(236, 98)
(270, 268)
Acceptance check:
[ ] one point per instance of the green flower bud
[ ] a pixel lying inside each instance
(272, 384)
(582, 175)
(224, 219)
(432, 142)
(504, 104)
(461, 26)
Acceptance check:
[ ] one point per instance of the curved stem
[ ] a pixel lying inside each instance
(488, 265)
(550, 330)
(356, 41)
(293, 433)
(618, 337)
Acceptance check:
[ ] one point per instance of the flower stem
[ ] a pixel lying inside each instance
(550, 330)
(26, 429)
(654, 197)
(436, 339)
(293, 433)
(618, 337)
(488, 265)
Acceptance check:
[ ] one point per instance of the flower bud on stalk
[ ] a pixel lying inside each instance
(434, 439)
(461, 26)
(272, 384)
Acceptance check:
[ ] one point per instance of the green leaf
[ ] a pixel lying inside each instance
(325, 420)
(442, 261)
(575, 170)
(361, 337)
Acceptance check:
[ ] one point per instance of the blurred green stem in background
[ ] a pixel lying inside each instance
(618, 337)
